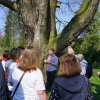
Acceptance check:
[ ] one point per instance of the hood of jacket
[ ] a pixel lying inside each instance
(72, 85)
(84, 61)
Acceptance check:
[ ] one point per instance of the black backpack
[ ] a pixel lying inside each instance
(4, 92)
(89, 71)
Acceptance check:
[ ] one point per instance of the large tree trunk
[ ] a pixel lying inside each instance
(39, 21)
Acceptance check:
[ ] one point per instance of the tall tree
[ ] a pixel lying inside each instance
(14, 31)
(7, 36)
(39, 21)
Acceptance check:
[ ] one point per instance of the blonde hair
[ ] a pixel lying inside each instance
(80, 57)
(69, 66)
(29, 60)
(70, 48)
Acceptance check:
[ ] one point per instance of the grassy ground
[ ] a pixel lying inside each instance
(95, 82)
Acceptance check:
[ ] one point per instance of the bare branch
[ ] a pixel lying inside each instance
(76, 26)
(63, 22)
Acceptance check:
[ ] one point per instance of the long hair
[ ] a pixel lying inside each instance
(69, 66)
(29, 60)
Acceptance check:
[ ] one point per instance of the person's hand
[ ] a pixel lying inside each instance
(45, 61)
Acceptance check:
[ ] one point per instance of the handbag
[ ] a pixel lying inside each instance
(89, 95)
(17, 86)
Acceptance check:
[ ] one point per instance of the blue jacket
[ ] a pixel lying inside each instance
(69, 88)
(83, 65)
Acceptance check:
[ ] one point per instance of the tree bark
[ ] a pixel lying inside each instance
(39, 21)
(75, 27)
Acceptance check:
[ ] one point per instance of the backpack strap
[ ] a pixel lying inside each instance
(18, 84)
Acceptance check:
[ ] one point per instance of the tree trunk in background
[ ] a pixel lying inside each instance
(39, 21)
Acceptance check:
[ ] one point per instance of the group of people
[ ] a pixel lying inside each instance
(25, 79)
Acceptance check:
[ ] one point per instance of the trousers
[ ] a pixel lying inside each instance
(50, 78)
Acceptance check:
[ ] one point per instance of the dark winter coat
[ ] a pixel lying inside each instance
(69, 88)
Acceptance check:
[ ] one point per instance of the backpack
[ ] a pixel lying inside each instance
(4, 92)
(89, 71)
(5, 73)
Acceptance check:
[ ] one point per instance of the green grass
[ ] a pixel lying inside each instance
(95, 82)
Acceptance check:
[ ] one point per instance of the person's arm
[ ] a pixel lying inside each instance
(55, 63)
(41, 94)
(10, 77)
(40, 87)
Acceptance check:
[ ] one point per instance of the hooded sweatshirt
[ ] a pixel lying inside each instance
(69, 88)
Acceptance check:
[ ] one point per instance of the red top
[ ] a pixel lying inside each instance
(18, 60)
(5, 59)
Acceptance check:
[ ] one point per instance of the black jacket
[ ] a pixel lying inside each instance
(4, 93)
(69, 88)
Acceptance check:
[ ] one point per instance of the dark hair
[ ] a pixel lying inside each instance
(69, 66)
(52, 49)
(6, 54)
(21, 47)
(15, 54)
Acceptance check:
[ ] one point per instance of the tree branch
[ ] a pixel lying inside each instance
(76, 26)
(12, 5)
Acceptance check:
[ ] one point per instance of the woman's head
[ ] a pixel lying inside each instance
(80, 57)
(15, 54)
(29, 60)
(69, 66)
(70, 50)
(6, 54)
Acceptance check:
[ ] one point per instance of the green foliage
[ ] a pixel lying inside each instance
(90, 48)
(89, 45)
(95, 82)
(94, 27)
(22, 41)
(14, 31)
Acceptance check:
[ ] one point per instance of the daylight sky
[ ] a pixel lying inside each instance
(64, 14)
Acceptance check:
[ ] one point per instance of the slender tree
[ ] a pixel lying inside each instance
(40, 27)
(7, 35)
(14, 31)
